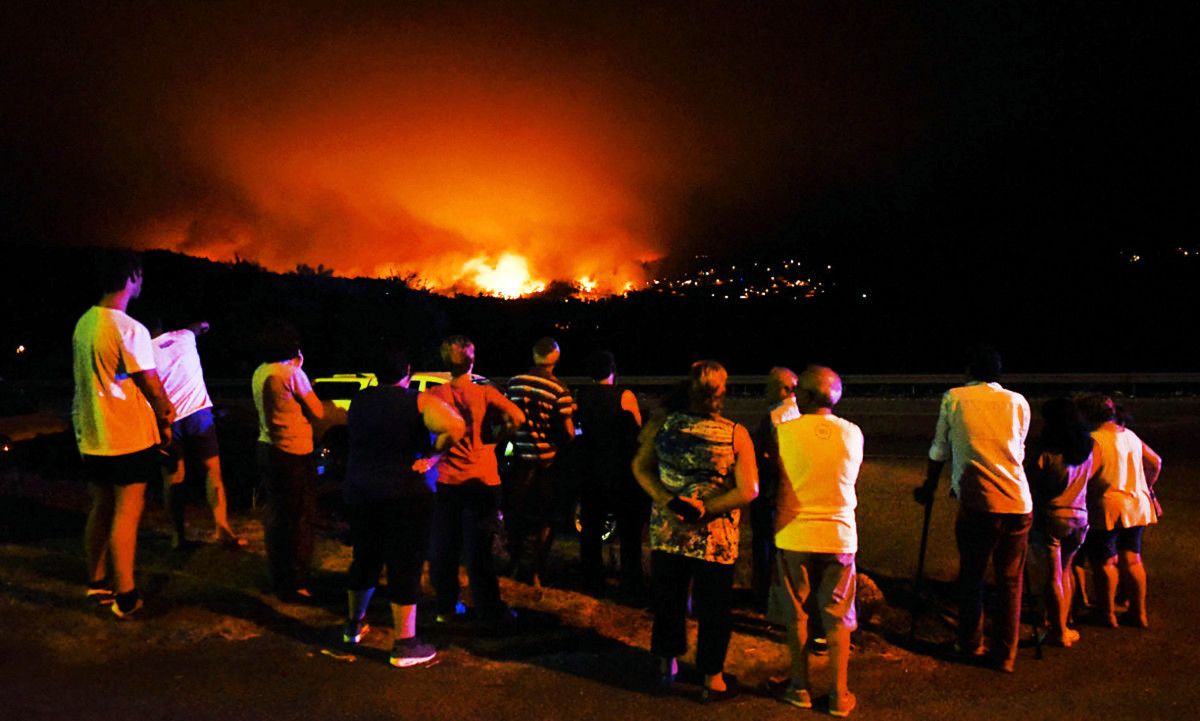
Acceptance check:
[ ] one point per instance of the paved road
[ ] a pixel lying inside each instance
(212, 645)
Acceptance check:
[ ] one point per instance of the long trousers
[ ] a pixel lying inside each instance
(712, 590)
(466, 520)
(290, 515)
(1003, 538)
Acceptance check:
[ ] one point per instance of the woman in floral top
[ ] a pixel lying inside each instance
(698, 467)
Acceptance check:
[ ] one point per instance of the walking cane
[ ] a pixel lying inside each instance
(917, 603)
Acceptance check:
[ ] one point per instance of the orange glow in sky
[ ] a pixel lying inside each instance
(471, 179)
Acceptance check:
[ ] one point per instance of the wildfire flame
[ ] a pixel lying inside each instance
(508, 278)
(362, 161)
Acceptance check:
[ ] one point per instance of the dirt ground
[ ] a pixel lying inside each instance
(214, 644)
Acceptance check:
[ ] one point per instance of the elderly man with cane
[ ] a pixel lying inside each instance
(982, 427)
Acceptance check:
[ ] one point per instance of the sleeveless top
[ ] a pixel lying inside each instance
(695, 459)
(386, 435)
(608, 431)
(1120, 494)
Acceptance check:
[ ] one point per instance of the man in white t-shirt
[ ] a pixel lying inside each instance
(121, 414)
(816, 535)
(287, 406)
(194, 436)
(982, 427)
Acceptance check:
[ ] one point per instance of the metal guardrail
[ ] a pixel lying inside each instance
(917, 382)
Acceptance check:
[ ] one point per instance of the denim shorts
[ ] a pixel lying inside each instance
(1103, 545)
(193, 437)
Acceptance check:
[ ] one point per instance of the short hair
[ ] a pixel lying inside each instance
(821, 385)
(1097, 408)
(706, 386)
(391, 364)
(779, 379)
(280, 341)
(458, 353)
(545, 351)
(112, 268)
(601, 364)
(983, 363)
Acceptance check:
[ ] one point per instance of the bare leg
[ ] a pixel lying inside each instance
(175, 500)
(96, 534)
(1056, 595)
(839, 659)
(214, 487)
(404, 620)
(1135, 576)
(127, 512)
(1066, 591)
(1106, 588)
(797, 640)
(1081, 586)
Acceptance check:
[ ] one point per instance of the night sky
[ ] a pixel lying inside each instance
(380, 138)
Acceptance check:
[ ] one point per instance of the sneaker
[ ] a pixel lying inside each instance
(101, 596)
(458, 614)
(411, 652)
(353, 632)
(841, 706)
(129, 609)
(798, 697)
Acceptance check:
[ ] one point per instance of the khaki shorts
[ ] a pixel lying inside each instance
(813, 583)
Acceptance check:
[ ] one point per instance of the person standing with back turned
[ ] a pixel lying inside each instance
(121, 415)
(982, 427)
(194, 436)
(467, 503)
(533, 489)
(817, 537)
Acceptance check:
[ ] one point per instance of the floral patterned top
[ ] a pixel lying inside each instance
(695, 459)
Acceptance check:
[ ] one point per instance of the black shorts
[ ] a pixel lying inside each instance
(123, 470)
(193, 438)
(1102, 545)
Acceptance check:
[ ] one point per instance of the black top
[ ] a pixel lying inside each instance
(387, 435)
(608, 431)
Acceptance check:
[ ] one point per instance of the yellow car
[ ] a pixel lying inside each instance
(336, 391)
(340, 388)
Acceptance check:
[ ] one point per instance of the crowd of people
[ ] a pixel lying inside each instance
(424, 482)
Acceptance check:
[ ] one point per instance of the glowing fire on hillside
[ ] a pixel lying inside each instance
(453, 177)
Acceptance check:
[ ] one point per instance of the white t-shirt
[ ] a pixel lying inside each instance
(784, 410)
(178, 364)
(983, 427)
(1120, 490)
(820, 456)
(110, 414)
(278, 388)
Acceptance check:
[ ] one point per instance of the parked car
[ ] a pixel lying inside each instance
(330, 435)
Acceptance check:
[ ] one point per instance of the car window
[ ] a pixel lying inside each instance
(336, 390)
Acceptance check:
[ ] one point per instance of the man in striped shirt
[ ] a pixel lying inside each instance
(533, 490)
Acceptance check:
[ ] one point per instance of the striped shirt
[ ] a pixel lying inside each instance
(547, 403)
